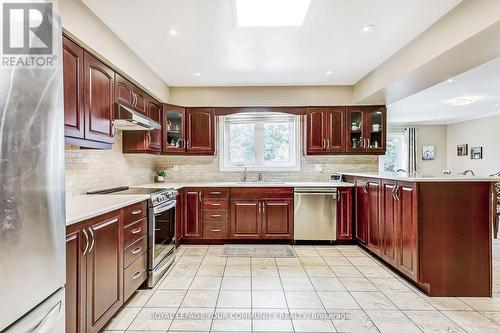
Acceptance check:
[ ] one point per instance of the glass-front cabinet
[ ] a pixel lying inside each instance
(173, 127)
(366, 129)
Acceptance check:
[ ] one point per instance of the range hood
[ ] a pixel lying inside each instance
(127, 119)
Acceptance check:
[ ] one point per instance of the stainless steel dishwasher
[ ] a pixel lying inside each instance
(315, 213)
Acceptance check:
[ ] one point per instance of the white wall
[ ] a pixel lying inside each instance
(483, 132)
(84, 25)
(432, 135)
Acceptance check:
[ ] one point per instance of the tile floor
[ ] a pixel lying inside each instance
(324, 289)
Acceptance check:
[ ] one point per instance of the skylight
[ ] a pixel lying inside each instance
(270, 13)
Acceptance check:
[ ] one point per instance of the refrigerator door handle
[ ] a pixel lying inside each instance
(46, 325)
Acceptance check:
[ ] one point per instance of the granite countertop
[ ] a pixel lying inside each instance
(83, 207)
(423, 178)
(179, 185)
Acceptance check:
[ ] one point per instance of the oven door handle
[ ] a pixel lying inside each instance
(163, 207)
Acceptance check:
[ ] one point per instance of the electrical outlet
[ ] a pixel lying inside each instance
(318, 167)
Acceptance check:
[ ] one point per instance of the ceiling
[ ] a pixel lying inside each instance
(432, 105)
(208, 42)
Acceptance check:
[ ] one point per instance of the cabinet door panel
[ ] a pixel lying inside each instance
(375, 128)
(75, 283)
(192, 214)
(200, 135)
(173, 128)
(277, 219)
(99, 100)
(335, 130)
(179, 222)
(389, 223)
(374, 215)
(344, 214)
(245, 219)
(316, 130)
(73, 89)
(123, 91)
(408, 233)
(104, 271)
(361, 211)
(355, 140)
(140, 101)
(154, 141)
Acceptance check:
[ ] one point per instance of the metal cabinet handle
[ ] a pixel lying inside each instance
(215, 215)
(327, 143)
(136, 275)
(113, 129)
(187, 143)
(215, 204)
(199, 196)
(137, 230)
(86, 241)
(263, 207)
(137, 211)
(148, 138)
(137, 250)
(396, 190)
(215, 230)
(215, 193)
(93, 240)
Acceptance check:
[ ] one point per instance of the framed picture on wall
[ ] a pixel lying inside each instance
(463, 150)
(476, 153)
(428, 153)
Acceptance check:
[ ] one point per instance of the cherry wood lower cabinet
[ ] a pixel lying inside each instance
(95, 271)
(192, 213)
(361, 210)
(344, 213)
(437, 234)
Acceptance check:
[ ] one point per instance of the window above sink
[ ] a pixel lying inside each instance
(259, 142)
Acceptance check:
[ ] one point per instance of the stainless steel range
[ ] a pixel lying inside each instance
(161, 227)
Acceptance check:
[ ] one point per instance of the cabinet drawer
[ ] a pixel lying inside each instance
(215, 230)
(215, 216)
(134, 212)
(218, 193)
(209, 204)
(134, 251)
(134, 231)
(134, 275)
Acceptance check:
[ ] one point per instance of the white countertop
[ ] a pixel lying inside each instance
(179, 185)
(83, 207)
(423, 178)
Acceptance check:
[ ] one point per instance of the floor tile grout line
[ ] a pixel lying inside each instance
(283, 289)
(218, 293)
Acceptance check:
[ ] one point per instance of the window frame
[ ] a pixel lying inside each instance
(295, 140)
(404, 150)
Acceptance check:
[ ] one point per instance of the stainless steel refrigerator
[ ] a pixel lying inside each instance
(32, 214)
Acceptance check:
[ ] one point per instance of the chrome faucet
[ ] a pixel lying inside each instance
(497, 174)
(466, 172)
(244, 178)
(259, 178)
(401, 170)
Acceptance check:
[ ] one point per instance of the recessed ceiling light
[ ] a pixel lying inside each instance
(463, 100)
(172, 32)
(197, 74)
(270, 13)
(329, 72)
(368, 28)
(496, 104)
(450, 80)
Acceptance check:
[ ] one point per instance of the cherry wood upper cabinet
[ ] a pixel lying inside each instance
(366, 129)
(315, 131)
(154, 136)
(192, 213)
(173, 127)
(104, 270)
(325, 130)
(139, 100)
(73, 89)
(344, 213)
(277, 219)
(246, 218)
(123, 91)
(99, 100)
(200, 131)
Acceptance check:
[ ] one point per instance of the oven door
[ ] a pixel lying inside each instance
(161, 232)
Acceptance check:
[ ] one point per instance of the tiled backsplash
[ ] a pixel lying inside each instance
(95, 169)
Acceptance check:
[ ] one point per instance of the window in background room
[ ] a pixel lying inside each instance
(396, 154)
(260, 142)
